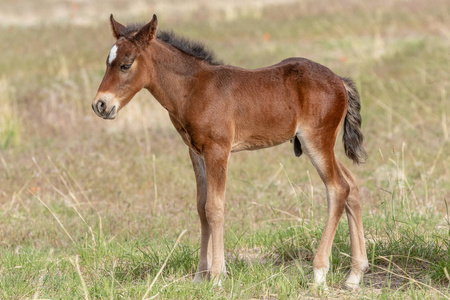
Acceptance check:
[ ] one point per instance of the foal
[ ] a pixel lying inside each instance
(218, 109)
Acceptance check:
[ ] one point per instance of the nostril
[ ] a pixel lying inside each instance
(101, 106)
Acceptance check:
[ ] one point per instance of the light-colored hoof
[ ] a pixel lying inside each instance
(320, 277)
(353, 281)
(352, 287)
(218, 283)
(217, 280)
(318, 290)
(319, 287)
(201, 277)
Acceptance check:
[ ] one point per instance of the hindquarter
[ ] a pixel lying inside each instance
(323, 98)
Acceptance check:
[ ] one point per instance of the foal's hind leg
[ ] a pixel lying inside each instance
(204, 265)
(353, 210)
(321, 153)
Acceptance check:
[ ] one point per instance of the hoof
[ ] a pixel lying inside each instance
(319, 287)
(353, 280)
(218, 283)
(201, 277)
(352, 287)
(198, 279)
(318, 290)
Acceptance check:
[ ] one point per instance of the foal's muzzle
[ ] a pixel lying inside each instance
(102, 110)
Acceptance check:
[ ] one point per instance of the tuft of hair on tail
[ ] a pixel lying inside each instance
(353, 136)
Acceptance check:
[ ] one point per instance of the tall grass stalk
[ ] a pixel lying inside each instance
(83, 282)
(9, 118)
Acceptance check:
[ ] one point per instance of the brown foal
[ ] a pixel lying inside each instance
(218, 109)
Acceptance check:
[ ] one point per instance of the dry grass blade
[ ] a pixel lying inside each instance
(409, 278)
(83, 283)
(41, 277)
(55, 216)
(294, 217)
(62, 194)
(163, 266)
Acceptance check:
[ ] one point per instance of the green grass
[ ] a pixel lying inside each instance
(92, 209)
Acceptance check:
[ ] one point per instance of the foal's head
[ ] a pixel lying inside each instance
(126, 68)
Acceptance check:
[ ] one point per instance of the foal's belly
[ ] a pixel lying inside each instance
(255, 142)
(253, 146)
(264, 128)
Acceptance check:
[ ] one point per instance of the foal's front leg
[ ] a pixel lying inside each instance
(216, 162)
(204, 265)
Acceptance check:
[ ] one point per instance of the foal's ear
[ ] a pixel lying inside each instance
(148, 32)
(116, 27)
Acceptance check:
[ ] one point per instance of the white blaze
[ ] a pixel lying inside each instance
(112, 54)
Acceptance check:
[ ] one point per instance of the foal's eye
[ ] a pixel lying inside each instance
(125, 67)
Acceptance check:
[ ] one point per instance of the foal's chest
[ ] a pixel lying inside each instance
(185, 135)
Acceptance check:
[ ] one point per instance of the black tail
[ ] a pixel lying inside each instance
(353, 136)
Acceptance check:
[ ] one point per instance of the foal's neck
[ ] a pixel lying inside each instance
(173, 75)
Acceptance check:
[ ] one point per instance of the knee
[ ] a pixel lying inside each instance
(341, 191)
(215, 213)
(353, 199)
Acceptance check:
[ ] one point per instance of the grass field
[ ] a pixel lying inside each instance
(91, 209)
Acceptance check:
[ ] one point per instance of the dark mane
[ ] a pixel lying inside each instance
(194, 48)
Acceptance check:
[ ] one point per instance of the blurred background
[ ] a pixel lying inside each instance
(131, 178)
